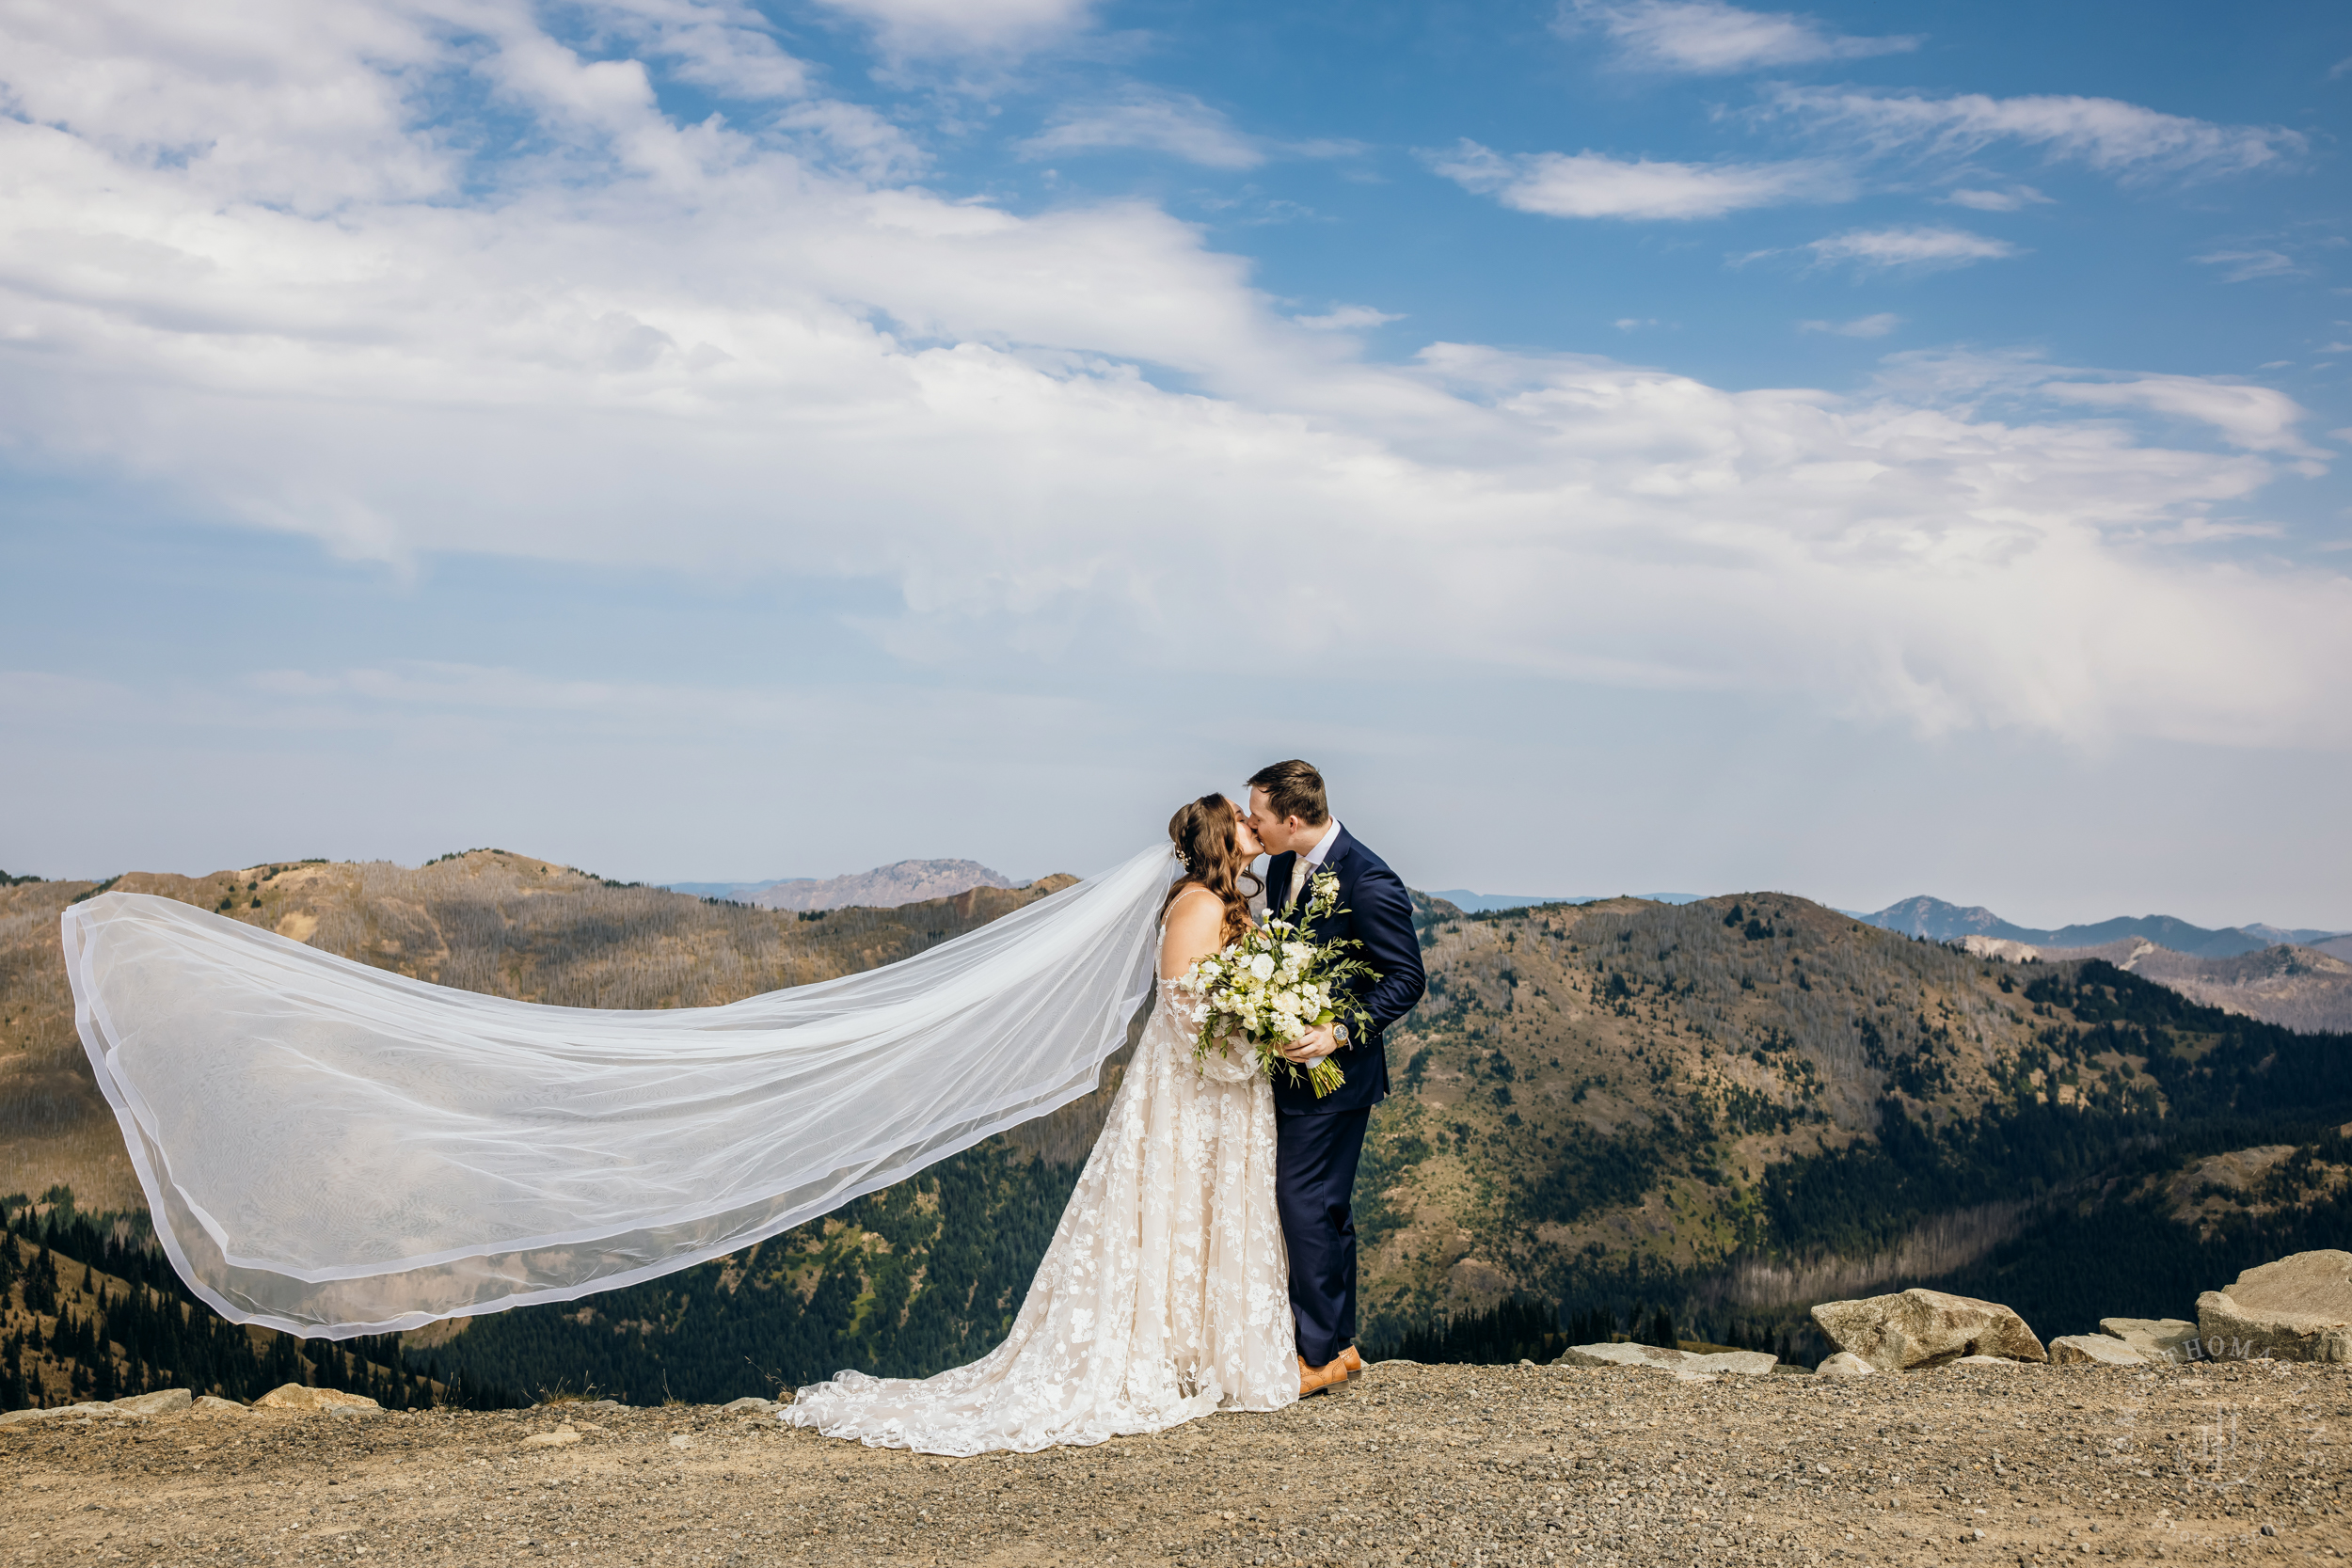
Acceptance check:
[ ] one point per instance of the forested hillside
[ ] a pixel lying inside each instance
(90, 1311)
(1726, 1109)
(1744, 1105)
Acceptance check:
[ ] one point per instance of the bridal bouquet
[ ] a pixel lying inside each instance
(1275, 983)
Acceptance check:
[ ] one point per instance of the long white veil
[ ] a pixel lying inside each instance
(331, 1150)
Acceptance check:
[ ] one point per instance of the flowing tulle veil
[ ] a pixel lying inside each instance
(332, 1150)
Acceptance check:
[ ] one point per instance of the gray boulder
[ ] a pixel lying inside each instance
(1681, 1362)
(163, 1402)
(1920, 1329)
(2156, 1339)
(2097, 1350)
(295, 1396)
(18, 1418)
(2298, 1309)
(1844, 1364)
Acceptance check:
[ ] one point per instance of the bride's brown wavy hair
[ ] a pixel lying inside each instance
(1207, 836)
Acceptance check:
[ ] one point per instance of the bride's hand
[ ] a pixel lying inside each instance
(1312, 1046)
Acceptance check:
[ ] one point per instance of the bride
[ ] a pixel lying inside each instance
(1165, 1295)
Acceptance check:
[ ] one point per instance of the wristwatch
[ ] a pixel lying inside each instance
(1339, 1033)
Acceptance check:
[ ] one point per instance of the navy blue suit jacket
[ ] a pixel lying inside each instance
(1378, 912)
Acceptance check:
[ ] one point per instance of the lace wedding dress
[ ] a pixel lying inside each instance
(1164, 1296)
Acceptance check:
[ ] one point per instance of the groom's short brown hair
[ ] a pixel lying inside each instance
(1294, 788)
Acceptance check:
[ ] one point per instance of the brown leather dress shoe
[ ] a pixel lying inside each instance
(1353, 1362)
(1313, 1380)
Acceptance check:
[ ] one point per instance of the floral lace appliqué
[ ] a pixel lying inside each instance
(1165, 1296)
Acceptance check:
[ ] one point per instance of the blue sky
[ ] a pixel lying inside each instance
(1854, 451)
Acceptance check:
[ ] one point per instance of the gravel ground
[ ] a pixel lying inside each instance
(1469, 1465)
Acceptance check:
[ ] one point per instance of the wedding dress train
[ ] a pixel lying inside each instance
(1164, 1296)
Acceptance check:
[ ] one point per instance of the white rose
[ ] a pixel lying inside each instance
(1262, 966)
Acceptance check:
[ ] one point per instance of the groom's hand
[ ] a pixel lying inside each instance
(1312, 1046)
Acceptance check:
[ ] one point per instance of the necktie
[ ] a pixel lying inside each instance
(1302, 872)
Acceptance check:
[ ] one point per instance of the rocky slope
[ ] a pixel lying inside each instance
(2299, 987)
(884, 887)
(1408, 1464)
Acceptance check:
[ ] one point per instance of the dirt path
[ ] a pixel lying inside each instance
(1411, 1465)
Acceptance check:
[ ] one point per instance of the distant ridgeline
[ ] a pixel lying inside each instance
(1607, 1116)
(1938, 921)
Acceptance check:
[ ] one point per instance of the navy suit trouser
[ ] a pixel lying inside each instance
(1314, 1178)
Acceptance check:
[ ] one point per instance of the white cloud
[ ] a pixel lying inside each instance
(1706, 38)
(1346, 318)
(1634, 324)
(279, 101)
(2246, 265)
(1592, 185)
(2108, 135)
(1878, 325)
(2008, 200)
(2258, 419)
(1918, 246)
(685, 349)
(1148, 119)
(721, 44)
(998, 27)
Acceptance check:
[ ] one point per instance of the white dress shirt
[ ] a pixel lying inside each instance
(1314, 859)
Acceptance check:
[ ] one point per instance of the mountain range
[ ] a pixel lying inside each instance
(885, 887)
(913, 882)
(1938, 921)
(1481, 903)
(1733, 1107)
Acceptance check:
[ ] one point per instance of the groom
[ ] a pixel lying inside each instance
(1317, 1141)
